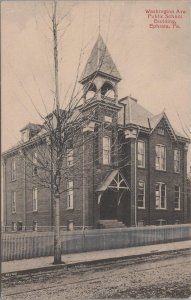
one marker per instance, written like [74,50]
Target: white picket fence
[36,244]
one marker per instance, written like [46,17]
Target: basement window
[14,226]
[35,225]
[161,222]
[70,225]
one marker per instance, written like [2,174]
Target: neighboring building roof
[100,61]
[32,126]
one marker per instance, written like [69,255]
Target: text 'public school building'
[131,171]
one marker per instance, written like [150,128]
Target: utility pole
[56,171]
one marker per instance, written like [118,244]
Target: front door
[108,205]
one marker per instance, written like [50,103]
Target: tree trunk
[57,240]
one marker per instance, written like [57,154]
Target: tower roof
[100,61]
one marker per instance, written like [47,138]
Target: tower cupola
[100,76]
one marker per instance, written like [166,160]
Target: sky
[154,63]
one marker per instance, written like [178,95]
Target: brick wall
[123,156]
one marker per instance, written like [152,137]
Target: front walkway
[87,257]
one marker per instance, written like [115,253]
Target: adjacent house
[131,169]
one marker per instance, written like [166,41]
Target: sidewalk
[45,263]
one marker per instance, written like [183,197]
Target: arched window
[91,91]
[107,90]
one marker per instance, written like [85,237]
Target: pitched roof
[32,126]
[100,61]
[154,120]
[138,115]
[135,113]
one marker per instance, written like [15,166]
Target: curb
[87,263]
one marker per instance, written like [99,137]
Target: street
[159,276]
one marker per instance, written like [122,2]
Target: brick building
[131,167]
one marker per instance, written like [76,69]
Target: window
[13,202]
[70,157]
[35,225]
[106,150]
[160,158]
[19,225]
[161,131]
[14,226]
[70,225]
[34,199]
[161,222]
[141,154]
[35,169]
[177,197]
[160,195]
[141,194]
[108,119]
[70,195]
[13,169]
[140,223]
[177,160]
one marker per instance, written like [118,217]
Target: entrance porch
[114,200]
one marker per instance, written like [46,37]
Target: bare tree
[46,154]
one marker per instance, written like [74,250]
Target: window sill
[13,180]
[161,208]
[160,170]
[176,172]
[69,208]
[141,207]
[35,211]
[141,167]
[14,212]
[177,209]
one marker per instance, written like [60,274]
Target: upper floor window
[106,150]
[70,192]
[13,201]
[70,157]
[160,195]
[35,168]
[141,154]
[13,169]
[35,199]
[141,194]
[177,160]
[160,158]
[160,130]
[177,197]
[108,119]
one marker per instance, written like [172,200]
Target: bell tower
[100,76]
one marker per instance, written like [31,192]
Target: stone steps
[110,224]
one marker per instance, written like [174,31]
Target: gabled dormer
[100,76]
[29,131]
[161,123]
